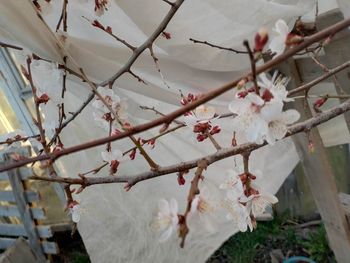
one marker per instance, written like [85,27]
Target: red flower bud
[261,39]
[267,95]
[97,24]
[318,103]
[180,179]
[201,137]
[132,154]
[43,99]
[109,30]
[114,166]
[215,130]
[167,35]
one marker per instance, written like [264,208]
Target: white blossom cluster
[241,204]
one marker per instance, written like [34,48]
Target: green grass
[255,246]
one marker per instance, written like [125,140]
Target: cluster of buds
[246,179]
[97,24]
[150,142]
[190,98]
[203,130]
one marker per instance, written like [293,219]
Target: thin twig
[216,46]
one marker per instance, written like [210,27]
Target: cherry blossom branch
[216,46]
[155,59]
[108,30]
[19,139]
[326,70]
[330,73]
[131,180]
[194,190]
[63,17]
[168,2]
[149,160]
[253,65]
[330,31]
[137,52]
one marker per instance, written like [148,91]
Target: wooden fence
[19,204]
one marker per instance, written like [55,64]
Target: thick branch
[219,155]
[205,98]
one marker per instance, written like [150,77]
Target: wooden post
[319,175]
[22,203]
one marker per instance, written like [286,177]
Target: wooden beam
[18,252]
[337,52]
[26,216]
[8,196]
[11,210]
[14,230]
[320,177]
[47,247]
[25,172]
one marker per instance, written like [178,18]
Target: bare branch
[137,52]
[219,155]
[205,98]
[216,46]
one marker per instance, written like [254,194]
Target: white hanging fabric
[115,225]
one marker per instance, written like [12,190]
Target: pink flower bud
[201,137]
[180,179]
[215,130]
[43,99]
[261,39]
[97,24]
[167,35]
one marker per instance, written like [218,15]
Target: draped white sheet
[115,224]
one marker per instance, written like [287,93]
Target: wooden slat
[14,230]
[11,210]
[19,252]
[24,171]
[31,196]
[320,177]
[48,247]
[345,202]
[22,203]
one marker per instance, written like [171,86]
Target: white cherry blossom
[47,79]
[248,119]
[277,86]
[166,221]
[112,156]
[75,212]
[113,100]
[204,206]
[277,121]
[239,214]
[233,185]
[278,43]
[256,204]
[201,114]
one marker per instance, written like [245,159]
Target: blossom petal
[163,206]
[281,27]
[166,234]
[290,116]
